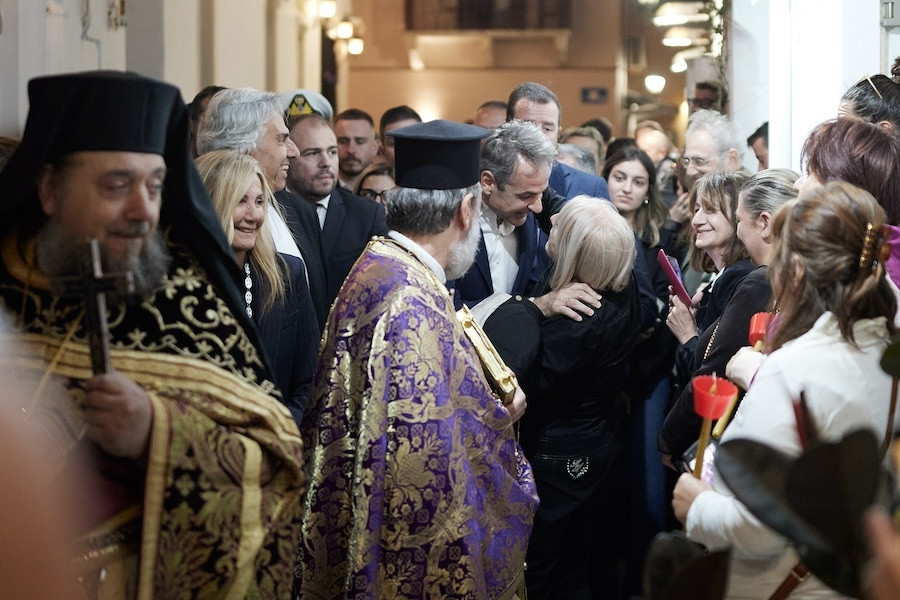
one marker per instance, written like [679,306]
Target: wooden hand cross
[93,285]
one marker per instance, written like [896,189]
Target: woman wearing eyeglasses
[375,181]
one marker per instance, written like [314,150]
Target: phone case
[673,277]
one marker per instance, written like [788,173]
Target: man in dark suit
[515,167]
[348,222]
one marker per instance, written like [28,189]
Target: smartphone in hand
[673,274]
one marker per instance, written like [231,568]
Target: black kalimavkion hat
[438,155]
[119,111]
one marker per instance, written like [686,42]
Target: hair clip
[874,248]
[872,83]
[868,246]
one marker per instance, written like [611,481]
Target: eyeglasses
[706,103]
[374,195]
[697,161]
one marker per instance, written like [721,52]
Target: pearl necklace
[248,283]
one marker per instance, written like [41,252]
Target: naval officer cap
[437,155]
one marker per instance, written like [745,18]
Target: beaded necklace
[248,284]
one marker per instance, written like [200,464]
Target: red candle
[712,395]
[759,324]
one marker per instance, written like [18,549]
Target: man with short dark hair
[418,487]
[196,110]
[490,114]
[708,95]
[358,146]
[347,221]
[176,413]
[394,118]
[759,143]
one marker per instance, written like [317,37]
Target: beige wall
[381,77]
[455,93]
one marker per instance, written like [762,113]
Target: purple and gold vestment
[417,486]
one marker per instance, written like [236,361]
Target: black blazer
[350,223]
[751,294]
[571,371]
[476,284]
[289,332]
[301,219]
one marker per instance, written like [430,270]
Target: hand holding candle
[759,325]
[711,398]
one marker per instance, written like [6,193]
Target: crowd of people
[289,355]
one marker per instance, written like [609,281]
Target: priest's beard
[60,256]
[462,254]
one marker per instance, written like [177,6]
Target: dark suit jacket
[289,332]
[350,223]
[303,222]
[476,284]
[571,182]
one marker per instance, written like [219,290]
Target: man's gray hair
[236,120]
[415,212]
[720,128]
[583,157]
[500,151]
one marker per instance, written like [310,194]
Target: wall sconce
[327,9]
[344,29]
[355,45]
[655,84]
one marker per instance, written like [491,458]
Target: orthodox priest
[195,474]
[418,488]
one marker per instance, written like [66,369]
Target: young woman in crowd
[375,181]
[277,294]
[836,312]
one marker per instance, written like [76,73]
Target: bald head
[655,143]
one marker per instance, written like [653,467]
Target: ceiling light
[327,9]
[677,42]
[680,13]
[655,84]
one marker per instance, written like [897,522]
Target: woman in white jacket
[835,321]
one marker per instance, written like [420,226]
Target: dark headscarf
[115,111]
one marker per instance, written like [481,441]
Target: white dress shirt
[502,246]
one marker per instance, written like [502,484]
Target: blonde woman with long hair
[276,290]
